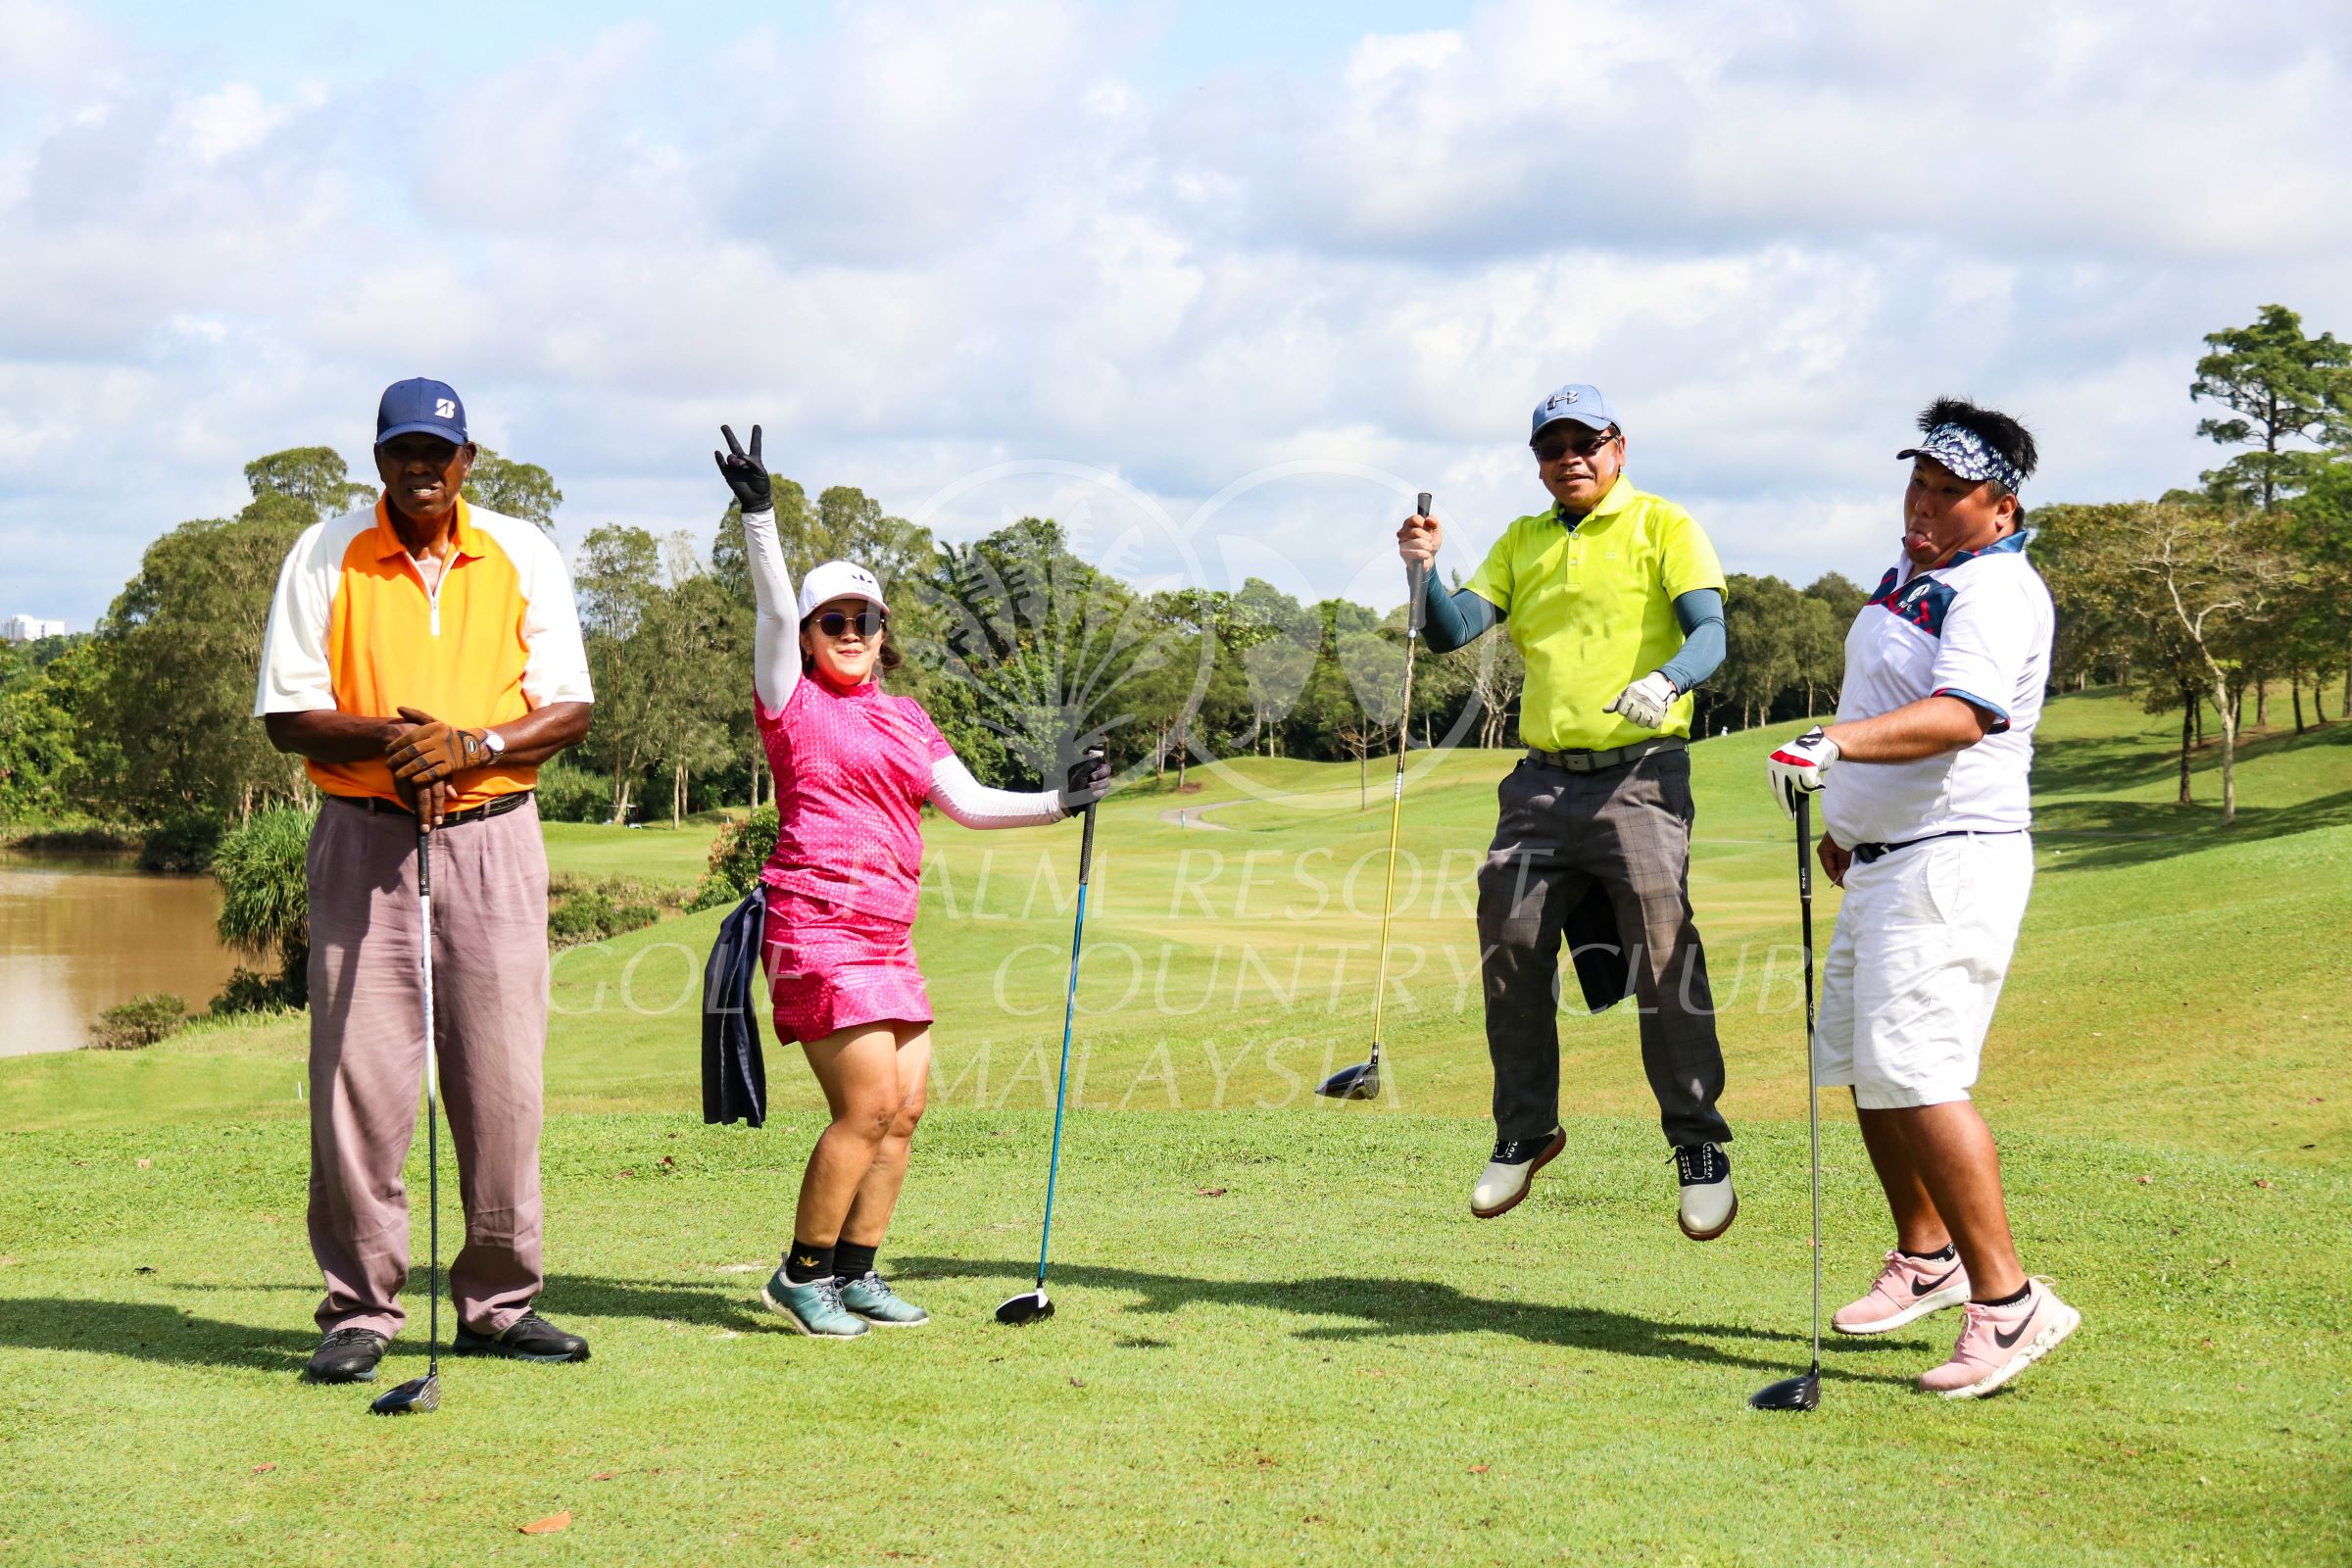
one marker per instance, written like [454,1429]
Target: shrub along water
[140,1022]
[267,906]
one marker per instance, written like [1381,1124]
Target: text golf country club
[1281,969]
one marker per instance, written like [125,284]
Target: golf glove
[435,750]
[1796,767]
[1087,782]
[745,472]
[1646,701]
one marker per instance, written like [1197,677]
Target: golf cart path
[1197,816]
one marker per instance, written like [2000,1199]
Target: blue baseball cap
[411,406]
[1576,400]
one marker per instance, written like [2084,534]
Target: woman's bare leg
[878,1195]
[858,1070]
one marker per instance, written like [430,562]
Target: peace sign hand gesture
[745,473]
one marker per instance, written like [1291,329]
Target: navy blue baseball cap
[1576,400]
[421,405]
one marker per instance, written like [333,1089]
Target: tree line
[1016,645]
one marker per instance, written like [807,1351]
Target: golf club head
[1030,1307]
[1799,1393]
[1359,1082]
[413,1398]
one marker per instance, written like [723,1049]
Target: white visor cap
[838,580]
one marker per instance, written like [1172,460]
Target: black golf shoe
[347,1356]
[529,1337]
[1504,1181]
[1708,1205]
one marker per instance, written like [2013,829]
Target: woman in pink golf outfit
[854,766]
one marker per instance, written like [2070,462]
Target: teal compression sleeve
[1454,618]
[1700,616]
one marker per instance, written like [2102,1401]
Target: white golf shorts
[1915,967]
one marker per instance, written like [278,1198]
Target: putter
[1035,1307]
[1362,1081]
[1803,1392]
[425,1393]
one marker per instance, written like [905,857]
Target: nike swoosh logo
[2005,1341]
[1917,1288]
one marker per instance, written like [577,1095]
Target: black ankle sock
[805,1263]
[2015,1296]
[853,1261]
[1942,1254]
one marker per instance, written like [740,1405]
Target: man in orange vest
[424,657]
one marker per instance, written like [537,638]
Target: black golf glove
[1088,781]
[745,472]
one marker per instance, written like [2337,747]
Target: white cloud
[933,238]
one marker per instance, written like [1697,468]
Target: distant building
[31,628]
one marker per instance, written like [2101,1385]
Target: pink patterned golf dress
[853,770]
[854,766]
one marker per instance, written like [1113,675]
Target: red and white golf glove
[1795,767]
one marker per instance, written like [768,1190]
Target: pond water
[79,933]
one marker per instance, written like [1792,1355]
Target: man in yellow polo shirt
[1614,598]
[424,657]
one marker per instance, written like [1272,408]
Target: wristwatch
[496,742]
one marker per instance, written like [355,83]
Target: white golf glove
[1644,703]
[1795,767]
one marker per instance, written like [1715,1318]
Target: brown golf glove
[434,751]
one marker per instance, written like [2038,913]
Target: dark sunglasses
[1553,446]
[868,622]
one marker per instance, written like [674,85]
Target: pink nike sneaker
[1997,1342]
[1906,1290]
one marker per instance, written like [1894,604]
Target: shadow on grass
[1384,1307]
[1389,1307]
[150,1331]
[2115,833]
[2107,764]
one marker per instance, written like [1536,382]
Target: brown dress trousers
[490,989]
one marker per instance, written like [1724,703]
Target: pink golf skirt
[832,967]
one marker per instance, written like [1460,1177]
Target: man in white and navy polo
[1926,811]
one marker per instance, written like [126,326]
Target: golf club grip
[1086,845]
[1416,581]
[424,861]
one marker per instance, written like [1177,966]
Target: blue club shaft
[1069,1008]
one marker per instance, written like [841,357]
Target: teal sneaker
[812,1308]
[872,1299]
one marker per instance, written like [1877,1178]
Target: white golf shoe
[1504,1181]
[1708,1205]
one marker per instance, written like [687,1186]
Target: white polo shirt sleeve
[555,659]
[294,675]
[1990,635]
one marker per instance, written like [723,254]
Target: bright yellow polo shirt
[352,628]
[1592,610]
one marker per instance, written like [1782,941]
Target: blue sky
[1218,284]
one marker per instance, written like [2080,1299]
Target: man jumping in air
[1614,597]
[1925,810]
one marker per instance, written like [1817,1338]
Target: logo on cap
[445,407]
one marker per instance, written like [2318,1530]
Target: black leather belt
[376,805]
[1600,761]
[1870,852]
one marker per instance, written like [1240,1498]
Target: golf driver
[1035,1307]
[1803,1393]
[1362,1081]
[425,1393]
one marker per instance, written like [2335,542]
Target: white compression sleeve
[775,636]
[963,799]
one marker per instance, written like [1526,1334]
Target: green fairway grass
[1281,1336]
